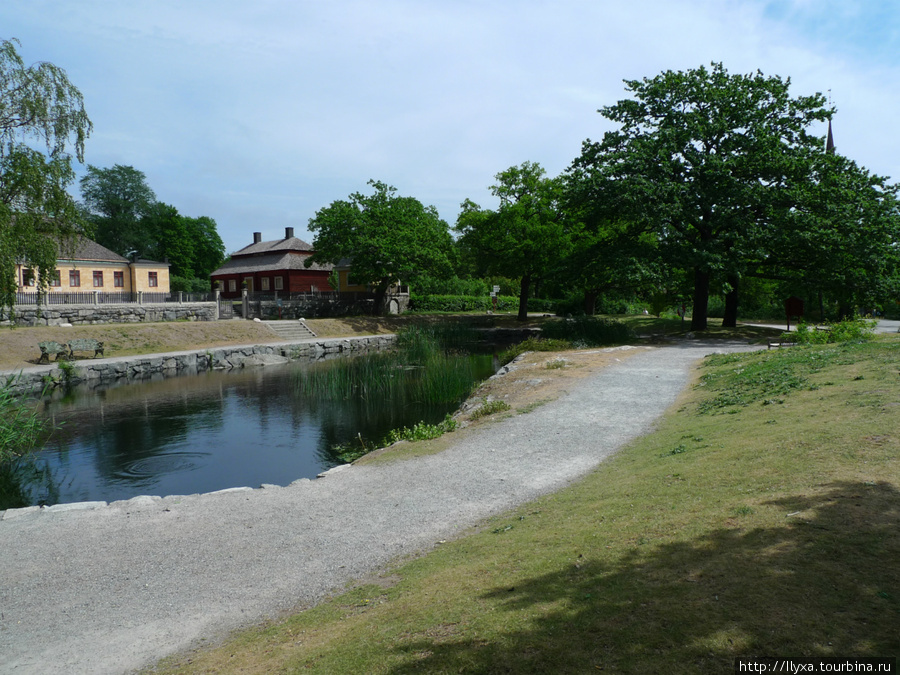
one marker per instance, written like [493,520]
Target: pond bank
[102,372]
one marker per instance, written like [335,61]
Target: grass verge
[768,531]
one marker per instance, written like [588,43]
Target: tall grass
[21,431]
[20,427]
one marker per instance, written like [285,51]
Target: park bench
[50,347]
[85,345]
[781,342]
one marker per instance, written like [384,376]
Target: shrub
[848,330]
[533,344]
[476,303]
[422,431]
[488,408]
[588,331]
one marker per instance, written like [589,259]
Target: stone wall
[54,315]
[321,305]
[103,372]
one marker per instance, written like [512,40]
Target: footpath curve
[115,588]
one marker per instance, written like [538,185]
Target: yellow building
[87,266]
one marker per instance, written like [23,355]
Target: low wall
[319,306]
[54,315]
[103,372]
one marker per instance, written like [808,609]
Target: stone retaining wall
[102,372]
[54,315]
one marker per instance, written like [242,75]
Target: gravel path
[115,587]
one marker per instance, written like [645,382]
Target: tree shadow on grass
[826,583]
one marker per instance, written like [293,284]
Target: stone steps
[291,330]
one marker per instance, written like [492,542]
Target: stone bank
[103,372]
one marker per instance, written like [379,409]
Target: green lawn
[759,518]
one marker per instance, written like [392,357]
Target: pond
[201,433]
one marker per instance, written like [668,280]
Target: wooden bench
[85,345]
[50,347]
[781,342]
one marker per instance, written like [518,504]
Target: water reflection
[195,434]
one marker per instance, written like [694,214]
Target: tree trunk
[701,299]
[380,292]
[523,298]
[590,301]
[731,303]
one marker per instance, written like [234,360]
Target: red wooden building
[269,266]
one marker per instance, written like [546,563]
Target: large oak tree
[710,162]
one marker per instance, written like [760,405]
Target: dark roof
[151,263]
[82,248]
[290,244]
[269,263]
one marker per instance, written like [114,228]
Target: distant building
[269,266]
[84,265]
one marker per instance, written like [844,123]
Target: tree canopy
[387,238]
[127,219]
[117,200]
[38,105]
[527,234]
[708,161]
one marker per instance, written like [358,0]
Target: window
[119,279]
[153,280]
[264,284]
[28,278]
[98,279]
[74,278]
[54,279]
[279,283]
[232,285]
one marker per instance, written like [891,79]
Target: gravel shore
[96,588]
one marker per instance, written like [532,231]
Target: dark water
[197,434]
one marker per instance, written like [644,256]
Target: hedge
[475,303]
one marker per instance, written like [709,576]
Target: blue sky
[259,114]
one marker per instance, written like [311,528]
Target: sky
[258,114]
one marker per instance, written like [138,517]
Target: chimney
[257,237]
[288,232]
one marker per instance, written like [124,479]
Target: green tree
[118,199]
[526,236]
[38,105]
[209,250]
[840,236]
[709,162]
[172,239]
[387,238]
